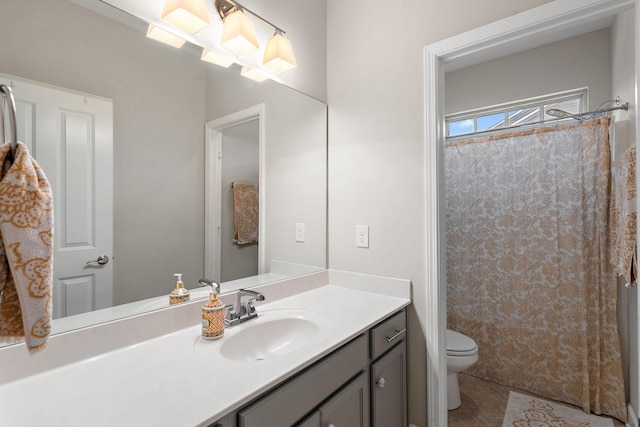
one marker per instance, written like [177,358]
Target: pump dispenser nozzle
[179,294]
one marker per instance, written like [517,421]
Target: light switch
[362,236]
[299,231]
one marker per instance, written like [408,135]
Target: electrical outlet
[362,236]
[299,231]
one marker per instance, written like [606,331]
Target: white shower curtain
[528,264]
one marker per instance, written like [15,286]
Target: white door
[71,137]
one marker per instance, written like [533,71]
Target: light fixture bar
[225,7]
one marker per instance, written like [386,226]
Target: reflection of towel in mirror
[26,250]
[623,213]
[245,213]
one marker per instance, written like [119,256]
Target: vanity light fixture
[163,36]
[278,55]
[253,74]
[188,15]
[214,58]
[238,34]
[239,37]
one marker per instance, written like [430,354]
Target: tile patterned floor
[483,403]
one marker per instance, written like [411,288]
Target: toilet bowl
[462,352]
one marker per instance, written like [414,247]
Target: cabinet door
[228,421]
[288,403]
[349,407]
[312,420]
[389,389]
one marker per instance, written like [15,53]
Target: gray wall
[296,162]
[375,93]
[583,61]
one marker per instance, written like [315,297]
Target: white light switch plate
[299,231]
[362,236]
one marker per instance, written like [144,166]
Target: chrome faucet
[244,309]
[208,282]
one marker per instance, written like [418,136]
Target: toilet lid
[459,344]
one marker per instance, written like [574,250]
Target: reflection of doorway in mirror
[71,136]
[234,151]
[239,162]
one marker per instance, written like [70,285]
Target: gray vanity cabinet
[228,421]
[361,384]
[389,389]
[389,373]
[303,394]
[312,420]
[347,408]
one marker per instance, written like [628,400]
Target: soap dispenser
[213,315]
[180,293]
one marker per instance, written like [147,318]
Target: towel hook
[13,129]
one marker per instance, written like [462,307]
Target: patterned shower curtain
[528,263]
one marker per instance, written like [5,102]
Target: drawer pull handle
[331,425]
[380,383]
[398,333]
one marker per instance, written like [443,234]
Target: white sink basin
[273,334]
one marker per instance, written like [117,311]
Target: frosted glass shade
[253,75]
[188,15]
[278,55]
[238,34]
[214,58]
[164,36]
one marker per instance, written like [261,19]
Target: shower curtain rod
[624,106]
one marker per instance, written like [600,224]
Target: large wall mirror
[80,77]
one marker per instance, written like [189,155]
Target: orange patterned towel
[623,214]
[26,250]
[245,215]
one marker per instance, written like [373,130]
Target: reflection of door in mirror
[70,136]
[239,163]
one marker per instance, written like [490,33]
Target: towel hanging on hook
[7,97]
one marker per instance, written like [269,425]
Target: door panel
[389,389]
[71,137]
[349,407]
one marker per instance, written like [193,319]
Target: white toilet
[462,352]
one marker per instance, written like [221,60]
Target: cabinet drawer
[291,401]
[388,333]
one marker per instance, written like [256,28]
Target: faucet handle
[250,307]
[231,310]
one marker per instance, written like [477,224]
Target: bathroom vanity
[326,349]
[363,383]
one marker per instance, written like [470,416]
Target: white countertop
[179,379]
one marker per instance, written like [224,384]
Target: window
[519,113]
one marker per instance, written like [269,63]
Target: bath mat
[527,411]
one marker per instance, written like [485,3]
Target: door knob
[381,382]
[101,260]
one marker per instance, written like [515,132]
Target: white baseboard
[633,418]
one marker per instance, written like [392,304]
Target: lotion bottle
[213,315]
[180,293]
